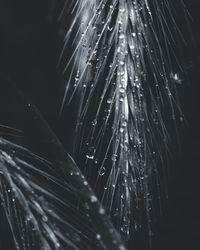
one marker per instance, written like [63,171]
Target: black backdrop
[29,48]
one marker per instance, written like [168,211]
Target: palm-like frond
[118,79]
[49,210]
[47,202]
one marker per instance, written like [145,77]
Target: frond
[47,201]
[47,209]
[118,82]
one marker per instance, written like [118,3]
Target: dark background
[29,49]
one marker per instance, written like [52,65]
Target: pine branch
[118,76]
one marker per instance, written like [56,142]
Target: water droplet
[44,218]
[121,130]
[121,247]
[109,100]
[110,28]
[76,79]
[114,157]
[102,171]
[90,154]
[90,157]
[121,36]
[94,122]
[102,210]
[93,198]
[124,123]
[121,63]
[98,236]
[122,10]
[57,244]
